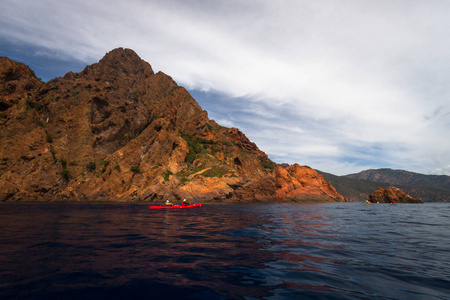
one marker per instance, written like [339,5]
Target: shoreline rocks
[392,195]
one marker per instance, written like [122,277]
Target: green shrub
[196,146]
[136,169]
[91,166]
[105,163]
[63,162]
[53,155]
[267,164]
[190,157]
[49,138]
[216,171]
[167,174]
[75,92]
[30,104]
[205,141]
[65,173]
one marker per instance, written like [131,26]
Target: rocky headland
[392,195]
[118,131]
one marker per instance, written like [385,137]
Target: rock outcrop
[302,181]
[392,195]
[118,131]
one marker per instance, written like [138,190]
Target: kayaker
[168,203]
[185,202]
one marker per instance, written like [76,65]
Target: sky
[341,86]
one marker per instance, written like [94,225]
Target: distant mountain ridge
[358,186]
[406,178]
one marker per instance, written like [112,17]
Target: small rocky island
[392,195]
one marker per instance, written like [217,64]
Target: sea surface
[270,251]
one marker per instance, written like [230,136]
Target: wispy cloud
[338,85]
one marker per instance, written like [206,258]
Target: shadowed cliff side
[117,131]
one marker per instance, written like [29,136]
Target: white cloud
[345,74]
[225,122]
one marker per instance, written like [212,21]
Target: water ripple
[276,251]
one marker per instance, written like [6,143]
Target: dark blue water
[276,251]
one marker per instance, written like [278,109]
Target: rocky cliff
[301,181]
[118,131]
[392,195]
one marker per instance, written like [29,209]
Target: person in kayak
[168,203]
[185,202]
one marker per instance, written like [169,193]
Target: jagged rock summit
[118,131]
[392,195]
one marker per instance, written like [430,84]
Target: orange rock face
[117,131]
[392,195]
[302,182]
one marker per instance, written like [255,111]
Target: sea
[236,251]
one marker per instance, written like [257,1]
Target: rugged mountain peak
[16,77]
[17,82]
[120,54]
[119,63]
[119,132]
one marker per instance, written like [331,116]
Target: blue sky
[341,86]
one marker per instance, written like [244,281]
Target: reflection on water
[274,251]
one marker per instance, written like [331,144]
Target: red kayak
[176,206]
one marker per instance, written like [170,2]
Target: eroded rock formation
[392,195]
[302,181]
